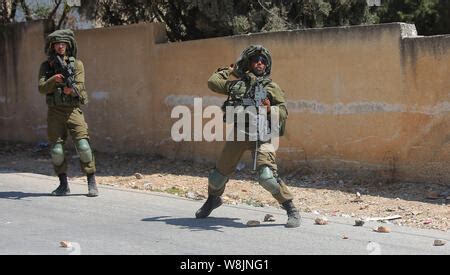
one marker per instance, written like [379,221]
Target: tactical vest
[239,93]
[58,98]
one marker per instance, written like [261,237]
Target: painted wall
[369,100]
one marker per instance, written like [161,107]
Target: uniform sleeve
[277,98]
[218,82]
[46,86]
[80,80]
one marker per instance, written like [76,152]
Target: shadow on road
[21,195]
[194,224]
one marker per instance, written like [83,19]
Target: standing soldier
[61,79]
[239,82]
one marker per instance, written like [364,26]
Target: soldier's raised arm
[218,82]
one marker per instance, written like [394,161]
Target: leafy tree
[196,19]
[430,16]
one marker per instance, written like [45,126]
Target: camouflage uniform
[220,82]
[64,114]
[236,83]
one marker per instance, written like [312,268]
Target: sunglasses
[259,58]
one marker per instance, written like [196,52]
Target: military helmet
[66,36]
[242,65]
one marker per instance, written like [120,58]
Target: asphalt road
[123,221]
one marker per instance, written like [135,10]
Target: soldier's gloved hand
[68,91]
[266,102]
[59,78]
[233,73]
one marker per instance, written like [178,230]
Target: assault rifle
[67,72]
[258,95]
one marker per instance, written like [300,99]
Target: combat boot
[92,186]
[63,188]
[292,213]
[211,203]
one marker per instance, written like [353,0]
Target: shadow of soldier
[13,195]
[194,224]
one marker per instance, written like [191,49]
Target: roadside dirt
[419,205]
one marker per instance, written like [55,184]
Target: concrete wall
[369,100]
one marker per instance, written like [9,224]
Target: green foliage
[195,19]
[42,12]
[430,16]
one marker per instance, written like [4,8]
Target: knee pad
[84,150]
[268,181]
[57,154]
[216,180]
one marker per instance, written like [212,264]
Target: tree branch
[26,10]
[4,11]
[13,11]
[53,12]
[63,17]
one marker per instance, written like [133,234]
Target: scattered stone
[199,195]
[358,198]
[148,186]
[194,195]
[269,218]
[253,223]
[439,242]
[65,244]
[321,221]
[383,229]
[191,195]
[359,222]
[364,207]
[138,176]
[433,195]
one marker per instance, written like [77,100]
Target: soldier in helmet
[65,93]
[238,82]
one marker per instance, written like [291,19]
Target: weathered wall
[372,100]
[22,109]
